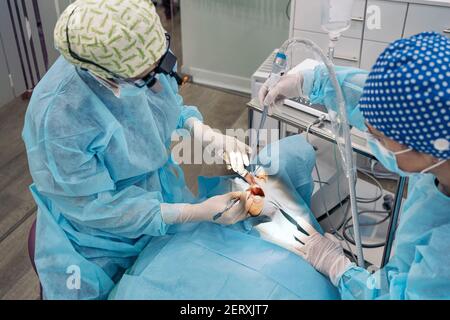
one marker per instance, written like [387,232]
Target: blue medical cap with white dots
[407,93]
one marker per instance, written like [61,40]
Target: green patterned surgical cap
[124,36]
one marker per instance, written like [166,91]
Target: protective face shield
[166,65]
[389,160]
[129,90]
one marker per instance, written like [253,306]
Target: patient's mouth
[256,190]
[256,207]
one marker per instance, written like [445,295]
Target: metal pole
[40,29]
[19,51]
[351,175]
[394,220]
[30,40]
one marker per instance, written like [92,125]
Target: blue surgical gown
[419,267]
[101,166]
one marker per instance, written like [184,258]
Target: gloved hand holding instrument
[279,67]
[234,152]
[322,252]
[289,86]
[224,209]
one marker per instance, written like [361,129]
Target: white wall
[224,41]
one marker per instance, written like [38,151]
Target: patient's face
[257,195]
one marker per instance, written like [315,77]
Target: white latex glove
[208,210]
[289,86]
[234,152]
[322,252]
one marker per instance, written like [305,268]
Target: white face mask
[389,160]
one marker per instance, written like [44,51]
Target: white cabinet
[365,40]
[370,52]
[391,20]
[427,18]
[346,51]
[308,17]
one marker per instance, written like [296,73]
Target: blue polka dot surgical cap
[407,93]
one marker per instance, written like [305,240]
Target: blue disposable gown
[419,267]
[101,168]
[208,261]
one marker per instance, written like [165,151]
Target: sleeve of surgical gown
[187,111]
[428,277]
[318,88]
[83,186]
[80,186]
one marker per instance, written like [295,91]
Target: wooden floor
[17,208]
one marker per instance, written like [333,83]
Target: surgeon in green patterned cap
[114,38]
[98,134]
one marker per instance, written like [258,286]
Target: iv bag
[336,16]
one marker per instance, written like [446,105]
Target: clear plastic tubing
[348,152]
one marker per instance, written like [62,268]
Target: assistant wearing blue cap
[407,94]
[403,104]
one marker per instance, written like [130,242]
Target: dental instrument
[230,205]
[279,67]
[293,221]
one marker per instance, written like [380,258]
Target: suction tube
[339,123]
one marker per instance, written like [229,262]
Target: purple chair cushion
[32,243]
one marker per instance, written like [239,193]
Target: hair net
[407,93]
[125,37]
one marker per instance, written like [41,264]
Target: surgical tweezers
[289,218]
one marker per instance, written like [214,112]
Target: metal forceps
[292,220]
